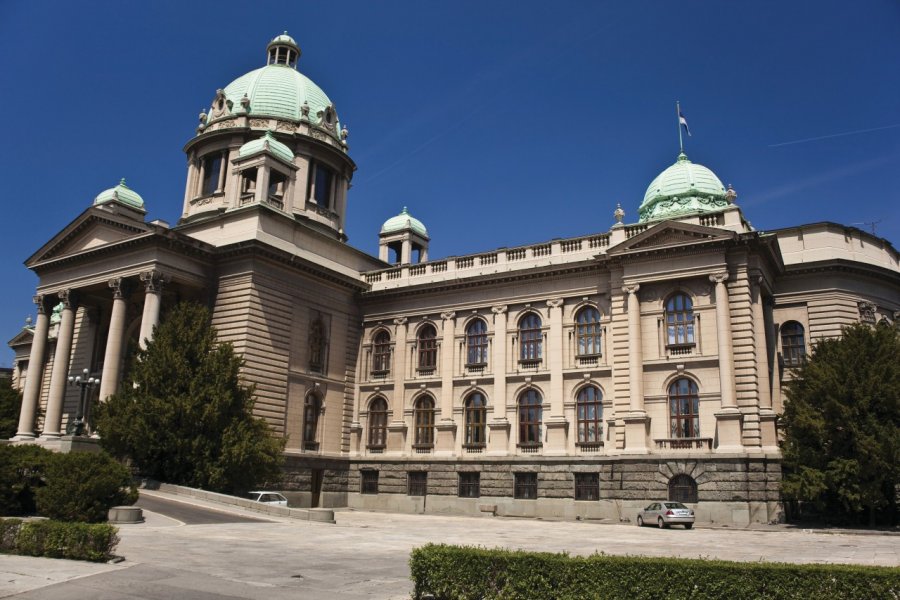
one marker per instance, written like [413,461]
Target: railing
[395,274]
[474,449]
[416,270]
[633,230]
[680,350]
[543,250]
[529,448]
[475,369]
[570,245]
[375,449]
[712,220]
[439,267]
[488,259]
[589,447]
[465,263]
[515,254]
[684,444]
[423,448]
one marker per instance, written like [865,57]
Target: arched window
[476,343]
[312,406]
[424,415]
[427,343]
[679,320]
[476,417]
[587,331]
[590,415]
[793,344]
[317,343]
[530,418]
[381,352]
[683,488]
[684,409]
[378,423]
[530,338]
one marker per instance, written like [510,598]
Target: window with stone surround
[684,409]
[381,352]
[530,338]
[476,343]
[679,320]
[525,486]
[368,481]
[793,344]
[417,483]
[530,418]
[587,486]
[322,184]
[587,332]
[683,488]
[476,419]
[424,418]
[589,409]
[469,485]
[377,423]
[427,347]
[211,171]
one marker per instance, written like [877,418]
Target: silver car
[664,514]
[271,498]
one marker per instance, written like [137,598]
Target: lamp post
[86,383]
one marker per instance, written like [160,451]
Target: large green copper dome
[684,188]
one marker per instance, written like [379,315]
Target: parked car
[664,514]
[273,498]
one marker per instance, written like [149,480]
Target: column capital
[720,277]
[68,298]
[153,280]
[631,288]
[448,315]
[499,309]
[119,286]
[400,321]
[555,302]
[40,301]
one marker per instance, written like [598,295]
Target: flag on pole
[683,122]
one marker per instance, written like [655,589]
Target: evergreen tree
[842,426]
[10,405]
[183,415]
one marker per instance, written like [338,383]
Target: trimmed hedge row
[54,539]
[455,572]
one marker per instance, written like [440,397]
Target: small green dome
[402,222]
[684,188]
[121,194]
[284,39]
[267,143]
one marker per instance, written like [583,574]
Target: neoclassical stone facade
[580,377]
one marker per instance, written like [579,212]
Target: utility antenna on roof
[870,225]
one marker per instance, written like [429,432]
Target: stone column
[112,359]
[53,418]
[767,416]
[35,371]
[446,428]
[728,418]
[153,283]
[405,252]
[556,423]
[396,441]
[498,443]
[636,420]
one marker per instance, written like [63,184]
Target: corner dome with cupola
[684,188]
[271,140]
[403,239]
[120,194]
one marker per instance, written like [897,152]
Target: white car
[272,498]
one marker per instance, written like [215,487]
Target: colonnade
[115,342]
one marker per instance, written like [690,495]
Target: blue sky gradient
[497,123]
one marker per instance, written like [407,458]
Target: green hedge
[453,572]
[53,539]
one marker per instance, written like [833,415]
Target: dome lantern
[283,50]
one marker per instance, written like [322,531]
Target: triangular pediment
[94,228]
[669,234]
[23,338]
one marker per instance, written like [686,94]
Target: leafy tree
[10,404]
[842,426]
[21,474]
[183,414]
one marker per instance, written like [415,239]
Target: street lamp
[86,383]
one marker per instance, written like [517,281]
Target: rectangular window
[368,482]
[525,486]
[587,486]
[322,186]
[469,485]
[212,167]
[417,483]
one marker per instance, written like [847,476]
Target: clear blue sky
[538,115]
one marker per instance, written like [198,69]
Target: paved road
[191,514]
[365,555]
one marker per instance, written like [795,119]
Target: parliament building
[576,378]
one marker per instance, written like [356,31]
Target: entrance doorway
[315,483]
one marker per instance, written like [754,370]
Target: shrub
[52,539]
[21,474]
[450,572]
[83,486]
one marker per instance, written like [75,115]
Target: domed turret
[121,194]
[403,235]
[266,143]
[404,221]
[682,189]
